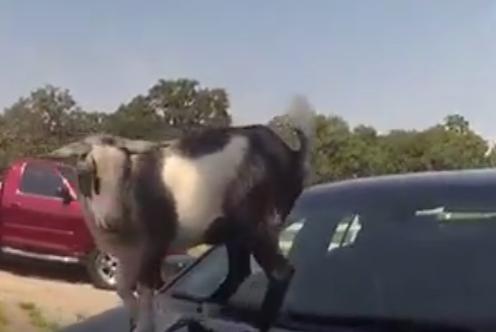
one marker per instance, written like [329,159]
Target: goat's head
[103,166]
[100,157]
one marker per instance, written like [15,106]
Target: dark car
[394,253]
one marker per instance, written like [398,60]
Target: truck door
[36,217]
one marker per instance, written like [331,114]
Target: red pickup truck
[40,218]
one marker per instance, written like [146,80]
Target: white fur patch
[198,186]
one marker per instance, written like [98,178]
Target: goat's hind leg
[238,270]
[277,268]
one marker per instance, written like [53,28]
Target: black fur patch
[220,231]
[283,168]
[156,204]
[272,169]
[155,213]
[203,143]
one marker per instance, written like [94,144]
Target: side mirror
[64,193]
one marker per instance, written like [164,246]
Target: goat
[232,186]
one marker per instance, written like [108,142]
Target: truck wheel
[102,269]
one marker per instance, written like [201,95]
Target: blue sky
[391,64]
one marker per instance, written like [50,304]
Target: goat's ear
[76,149]
[136,146]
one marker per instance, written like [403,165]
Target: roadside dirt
[36,296]
[33,295]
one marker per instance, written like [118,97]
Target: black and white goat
[232,186]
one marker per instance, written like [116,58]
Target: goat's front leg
[127,275]
[149,280]
[145,321]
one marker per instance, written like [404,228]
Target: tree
[456,123]
[342,153]
[86,123]
[170,109]
[454,147]
[49,117]
[366,133]
[41,121]
[403,151]
[491,155]
[331,139]
[137,120]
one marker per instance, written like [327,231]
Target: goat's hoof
[132,325]
[144,326]
[143,329]
[217,298]
[220,296]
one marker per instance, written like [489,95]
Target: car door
[38,218]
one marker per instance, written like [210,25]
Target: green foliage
[49,117]
[40,122]
[342,152]
[170,109]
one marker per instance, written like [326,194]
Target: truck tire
[102,269]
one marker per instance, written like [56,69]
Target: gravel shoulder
[39,297]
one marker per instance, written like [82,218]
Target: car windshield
[422,253]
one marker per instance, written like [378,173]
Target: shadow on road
[73,273]
[44,270]
[113,320]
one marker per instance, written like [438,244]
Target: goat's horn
[80,147]
[69,150]
[133,145]
[138,146]
[167,142]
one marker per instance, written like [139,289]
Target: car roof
[408,185]
[40,160]
[480,175]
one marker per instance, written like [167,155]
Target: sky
[390,64]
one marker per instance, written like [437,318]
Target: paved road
[113,320]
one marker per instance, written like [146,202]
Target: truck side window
[41,180]
[70,175]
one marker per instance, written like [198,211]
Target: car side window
[41,180]
[70,175]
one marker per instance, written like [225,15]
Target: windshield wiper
[383,323]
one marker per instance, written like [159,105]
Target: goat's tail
[302,117]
